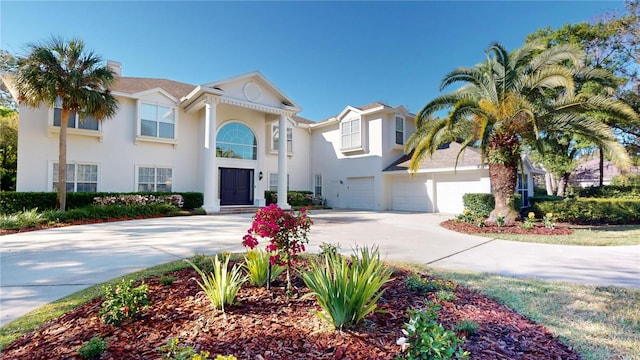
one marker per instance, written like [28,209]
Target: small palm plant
[221,285]
[256,263]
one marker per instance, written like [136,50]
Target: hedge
[591,211]
[481,204]
[294,198]
[12,202]
[610,191]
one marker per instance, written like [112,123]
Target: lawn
[605,235]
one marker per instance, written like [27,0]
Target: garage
[360,193]
[451,187]
[410,194]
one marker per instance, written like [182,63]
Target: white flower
[403,343]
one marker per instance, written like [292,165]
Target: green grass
[599,322]
[612,235]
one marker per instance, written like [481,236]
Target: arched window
[236,141]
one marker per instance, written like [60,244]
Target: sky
[324,55]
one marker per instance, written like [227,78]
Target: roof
[444,157]
[300,119]
[590,171]
[366,107]
[133,85]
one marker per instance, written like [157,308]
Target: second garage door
[410,194]
[361,194]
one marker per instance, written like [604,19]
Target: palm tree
[65,71]
[503,103]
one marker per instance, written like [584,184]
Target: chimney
[115,66]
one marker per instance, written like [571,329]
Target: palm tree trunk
[61,198]
[562,184]
[503,178]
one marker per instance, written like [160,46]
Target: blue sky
[323,55]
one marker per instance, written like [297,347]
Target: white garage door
[451,187]
[410,194]
[361,193]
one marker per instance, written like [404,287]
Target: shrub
[256,263]
[172,350]
[610,191]
[592,211]
[21,219]
[479,204]
[123,302]
[295,198]
[427,339]
[92,349]
[347,292]
[445,295]
[139,199]
[222,285]
[467,326]
[415,282]
[467,216]
[167,280]
[288,233]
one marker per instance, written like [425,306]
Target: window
[236,141]
[273,182]
[76,121]
[399,130]
[80,177]
[523,189]
[317,185]
[157,121]
[154,179]
[351,135]
[275,138]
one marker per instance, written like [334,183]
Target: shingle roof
[300,119]
[132,85]
[442,158]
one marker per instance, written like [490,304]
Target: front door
[236,186]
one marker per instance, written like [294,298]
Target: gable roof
[589,171]
[443,158]
[365,108]
[134,85]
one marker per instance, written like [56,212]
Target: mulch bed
[269,325]
[491,228]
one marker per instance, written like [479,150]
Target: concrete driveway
[42,266]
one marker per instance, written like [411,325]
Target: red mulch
[268,325]
[490,228]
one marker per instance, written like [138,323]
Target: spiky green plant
[256,263]
[347,292]
[221,285]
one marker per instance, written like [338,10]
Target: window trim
[396,131]
[254,148]
[51,179]
[351,148]
[520,189]
[273,148]
[136,185]
[156,139]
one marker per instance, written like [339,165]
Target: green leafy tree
[8,148]
[501,104]
[8,63]
[66,71]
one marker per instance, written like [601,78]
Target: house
[588,173]
[223,139]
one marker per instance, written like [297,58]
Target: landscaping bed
[269,325]
[490,228]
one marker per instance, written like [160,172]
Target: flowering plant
[287,232]
[547,220]
[529,221]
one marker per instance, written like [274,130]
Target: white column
[211,196]
[282,163]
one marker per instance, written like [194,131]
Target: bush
[295,198]
[415,282]
[347,292]
[92,349]
[467,326]
[12,202]
[610,191]
[222,285]
[172,350]
[592,211]
[109,212]
[479,204]
[21,219]
[123,302]
[256,263]
[428,339]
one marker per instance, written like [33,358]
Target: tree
[63,70]
[8,148]
[502,104]
[8,63]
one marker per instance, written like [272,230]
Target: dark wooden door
[236,186]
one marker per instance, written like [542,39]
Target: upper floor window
[76,121]
[80,177]
[351,135]
[157,121]
[236,141]
[152,179]
[275,138]
[399,130]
